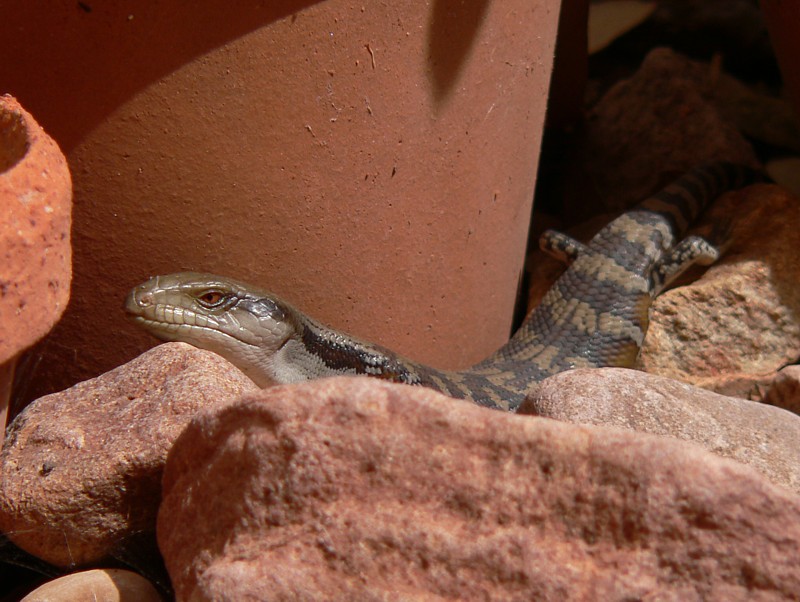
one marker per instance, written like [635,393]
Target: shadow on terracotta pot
[133,45]
[450,41]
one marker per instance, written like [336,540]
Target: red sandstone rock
[354,489]
[763,436]
[633,144]
[98,585]
[81,469]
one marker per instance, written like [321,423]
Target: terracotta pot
[783,23]
[372,163]
[35,254]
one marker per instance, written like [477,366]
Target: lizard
[596,314]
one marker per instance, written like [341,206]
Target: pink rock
[81,469]
[640,114]
[763,436]
[741,318]
[106,585]
[354,489]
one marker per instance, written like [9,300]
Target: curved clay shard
[35,217]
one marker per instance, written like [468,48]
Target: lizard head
[244,325]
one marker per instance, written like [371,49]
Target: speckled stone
[355,489]
[763,436]
[80,470]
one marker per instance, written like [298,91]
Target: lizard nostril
[145,299]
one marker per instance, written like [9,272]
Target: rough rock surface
[81,469]
[763,436]
[641,113]
[740,322]
[784,391]
[349,489]
[35,212]
[98,585]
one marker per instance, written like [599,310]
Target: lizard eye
[212,298]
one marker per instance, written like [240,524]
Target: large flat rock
[348,489]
